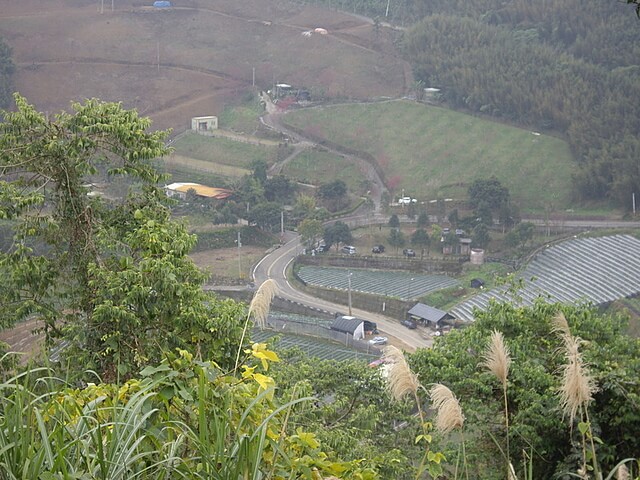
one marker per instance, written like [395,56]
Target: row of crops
[594,270]
[404,285]
[311,346]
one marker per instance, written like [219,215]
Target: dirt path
[273,120]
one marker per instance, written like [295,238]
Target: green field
[316,167]
[432,152]
[223,151]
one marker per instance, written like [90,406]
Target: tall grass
[497,359]
[45,433]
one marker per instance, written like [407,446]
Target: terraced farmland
[313,347]
[402,285]
[595,270]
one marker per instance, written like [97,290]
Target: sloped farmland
[587,270]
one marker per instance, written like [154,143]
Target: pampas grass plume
[261,302]
[623,473]
[400,379]
[560,325]
[578,387]
[449,413]
[497,358]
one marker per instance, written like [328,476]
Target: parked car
[410,324]
[349,249]
[409,252]
[378,341]
[378,249]
[323,248]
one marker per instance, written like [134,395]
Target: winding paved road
[274,266]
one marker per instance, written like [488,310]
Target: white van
[349,249]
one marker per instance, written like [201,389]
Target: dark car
[410,324]
[378,249]
[323,248]
[409,252]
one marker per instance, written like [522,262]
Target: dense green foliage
[337,233]
[353,415]
[181,418]
[6,71]
[508,65]
[105,275]
[535,416]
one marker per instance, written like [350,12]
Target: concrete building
[204,125]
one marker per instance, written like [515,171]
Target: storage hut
[429,316]
[349,325]
[204,125]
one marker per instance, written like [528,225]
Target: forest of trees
[566,67]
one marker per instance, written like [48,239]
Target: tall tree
[337,234]
[266,215]
[396,239]
[333,194]
[279,189]
[420,238]
[310,230]
[107,275]
[488,191]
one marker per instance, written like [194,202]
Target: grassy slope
[217,150]
[316,168]
[428,149]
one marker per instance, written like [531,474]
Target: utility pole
[633,200]
[281,226]
[349,280]
[239,256]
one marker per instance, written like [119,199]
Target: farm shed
[180,190]
[204,125]
[464,246]
[428,315]
[349,325]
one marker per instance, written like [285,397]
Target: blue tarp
[161,4]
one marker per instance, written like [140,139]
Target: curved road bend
[274,266]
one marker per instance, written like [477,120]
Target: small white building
[204,125]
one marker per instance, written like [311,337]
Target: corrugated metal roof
[346,324]
[201,190]
[428,313]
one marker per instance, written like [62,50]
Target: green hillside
[431,152]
